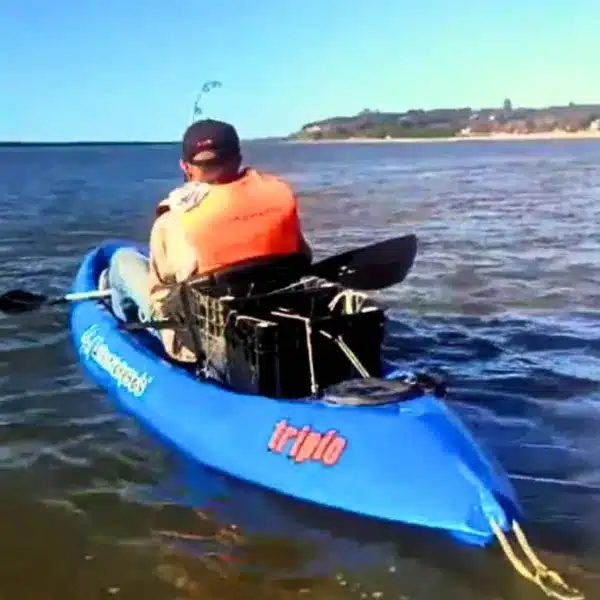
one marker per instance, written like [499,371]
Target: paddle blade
[373,267]
[20,301]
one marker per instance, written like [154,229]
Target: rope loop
[549,581]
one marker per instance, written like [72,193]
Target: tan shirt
[173,260]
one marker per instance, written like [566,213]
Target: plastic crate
[283,344]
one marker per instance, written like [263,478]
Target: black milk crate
[261,344]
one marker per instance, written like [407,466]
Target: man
[223,215]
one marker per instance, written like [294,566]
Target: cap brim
[207,157]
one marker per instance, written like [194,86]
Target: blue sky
[131,69]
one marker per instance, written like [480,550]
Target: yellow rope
[348,352]
[541,576]
[352,357]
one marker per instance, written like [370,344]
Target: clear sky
[131,69]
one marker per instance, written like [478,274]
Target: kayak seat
[256,276]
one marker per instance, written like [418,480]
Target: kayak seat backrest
[256,276]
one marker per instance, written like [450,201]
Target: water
[503,298]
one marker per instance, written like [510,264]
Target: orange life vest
[255,216]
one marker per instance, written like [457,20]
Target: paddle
[372,267]
[20,301]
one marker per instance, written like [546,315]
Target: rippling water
[503,299]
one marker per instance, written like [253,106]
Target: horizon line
[9,144]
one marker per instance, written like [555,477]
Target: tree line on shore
[449,122]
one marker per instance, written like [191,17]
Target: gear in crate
[290,343]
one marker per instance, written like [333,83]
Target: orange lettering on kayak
[307,445]
[274,441]
[299,441]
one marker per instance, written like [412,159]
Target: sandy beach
[493,137]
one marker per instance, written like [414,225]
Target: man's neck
[231,177]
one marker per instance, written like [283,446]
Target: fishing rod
[206,88]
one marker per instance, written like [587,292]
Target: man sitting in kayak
[223,215]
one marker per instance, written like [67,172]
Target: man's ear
[185,168]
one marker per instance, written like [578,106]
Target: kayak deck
[409,461]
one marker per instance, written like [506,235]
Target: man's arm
[305,248]
[304,245]
[157,254]
[172,258]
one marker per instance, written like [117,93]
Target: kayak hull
[411,462]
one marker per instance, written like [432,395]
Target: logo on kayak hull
[306,444]
[93,346]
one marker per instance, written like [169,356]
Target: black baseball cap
[210,141]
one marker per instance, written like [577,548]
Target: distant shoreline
[492,137]
[113,143]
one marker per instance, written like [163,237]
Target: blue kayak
[411,461]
